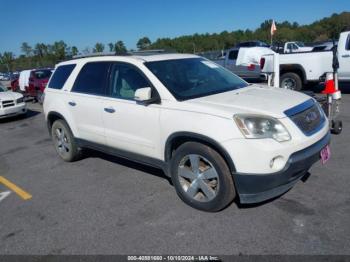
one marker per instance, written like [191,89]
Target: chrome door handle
[71,103]
[346,56]
[109,110]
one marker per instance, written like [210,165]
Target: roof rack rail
[151,52]
[98,54]
[129,53]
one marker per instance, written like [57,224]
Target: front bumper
[17,109]
[254,188]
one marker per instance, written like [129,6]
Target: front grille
[310,120]
[8,103]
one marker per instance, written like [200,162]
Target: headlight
[258,127]
[20,100]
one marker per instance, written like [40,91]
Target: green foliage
[143,43]
[7,59]
[26,49]
[41,55]
[74,50]
[119,47]
[321,30]
[47,55]
[111,47]
[99,47]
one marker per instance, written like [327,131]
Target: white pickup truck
[296,47]
[299,69]
[249,72]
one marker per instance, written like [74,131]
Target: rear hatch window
[60,76]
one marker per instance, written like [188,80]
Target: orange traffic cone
[330,85]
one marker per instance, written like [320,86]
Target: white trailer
[23,80]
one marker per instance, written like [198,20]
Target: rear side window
[60,76]
[92,78]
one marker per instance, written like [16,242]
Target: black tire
[223,185]
[69,151]
[295,81]
[337,127]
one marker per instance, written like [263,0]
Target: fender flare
[57,116]
[194,137]
[290,68]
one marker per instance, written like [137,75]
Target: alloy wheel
[62,142]
[289,83]
[198,178]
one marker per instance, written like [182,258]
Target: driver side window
[125,80]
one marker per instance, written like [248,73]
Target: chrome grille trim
[8,103]
[299,108]
[308,117]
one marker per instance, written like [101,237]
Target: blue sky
[84,22]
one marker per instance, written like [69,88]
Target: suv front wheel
[201,177]
[64,141]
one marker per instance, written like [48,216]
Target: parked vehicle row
[8,76]
[300,64]
[251,73]
[32,83]
[248,72]
[215,135]
[299,69]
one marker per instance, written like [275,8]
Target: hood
[9,96]
[254,99]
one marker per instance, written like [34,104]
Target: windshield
[42,74]
[301,44]
[194,77]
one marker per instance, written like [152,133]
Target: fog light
[277,163]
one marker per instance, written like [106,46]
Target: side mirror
[143,94]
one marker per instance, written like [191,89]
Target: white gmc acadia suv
[215,135]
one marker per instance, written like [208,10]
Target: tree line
[47,55]
[322,30]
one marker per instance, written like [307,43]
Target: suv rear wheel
[201,177]
[64,141]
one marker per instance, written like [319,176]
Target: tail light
[262,63]
[251,67]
